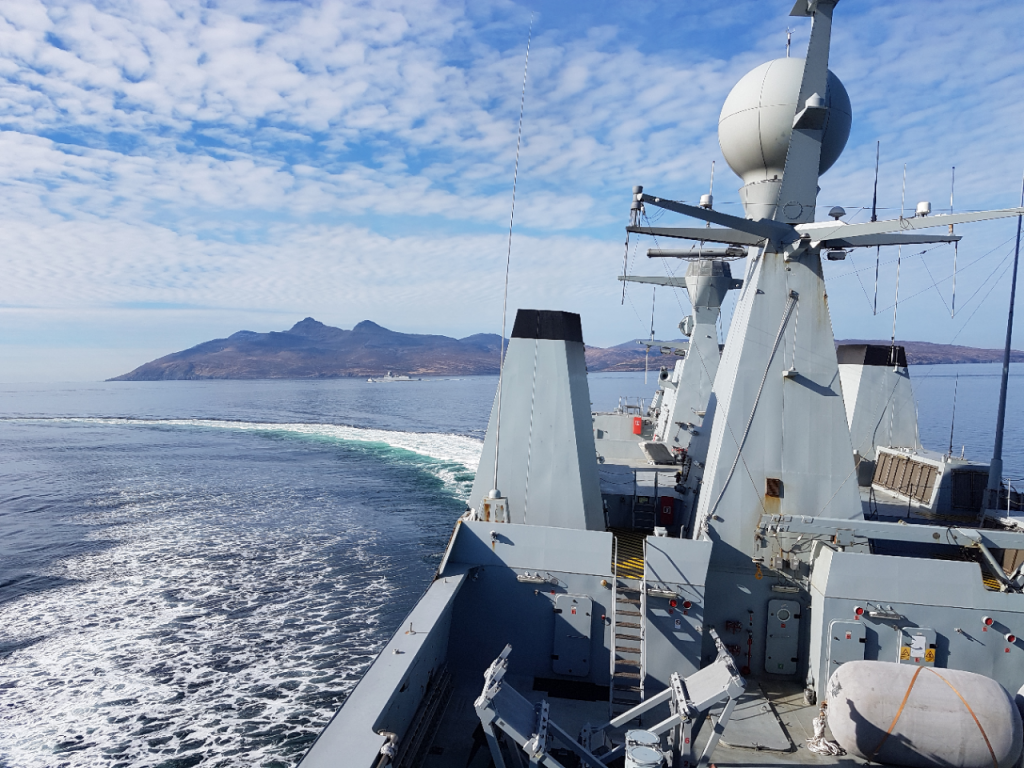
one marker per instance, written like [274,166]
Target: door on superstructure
[782,640]
[570,654]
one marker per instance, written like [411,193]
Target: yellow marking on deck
[630,564]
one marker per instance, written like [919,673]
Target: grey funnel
[547,465]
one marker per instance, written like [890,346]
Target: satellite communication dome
[757,120]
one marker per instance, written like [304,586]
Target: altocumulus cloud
[253,163]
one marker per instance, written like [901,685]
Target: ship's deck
[769,727]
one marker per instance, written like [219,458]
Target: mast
[995,470]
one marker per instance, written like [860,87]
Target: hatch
[570,654]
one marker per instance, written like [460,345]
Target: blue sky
[172,172]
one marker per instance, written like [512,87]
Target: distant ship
[764,568]
[391,377]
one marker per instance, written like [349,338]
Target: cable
[508,256]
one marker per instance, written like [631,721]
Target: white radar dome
[757,120]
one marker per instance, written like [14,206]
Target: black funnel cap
[547,324]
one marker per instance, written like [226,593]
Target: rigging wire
[924,263]
[874,217]
[982,302]
[962,269]
[508,257]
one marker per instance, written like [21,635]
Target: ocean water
[197,573]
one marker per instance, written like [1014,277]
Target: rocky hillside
[926,353]
[312,350]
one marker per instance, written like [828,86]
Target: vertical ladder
[628,646]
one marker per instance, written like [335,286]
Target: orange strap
[977,722]
[899,712]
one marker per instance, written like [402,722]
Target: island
[312,350]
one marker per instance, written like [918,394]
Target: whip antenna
[995,468]
[647,357]
[874,217]
[952,419]
[956,249]
[899,258]
[508,259]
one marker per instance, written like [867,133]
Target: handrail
[643,623]
[611,645]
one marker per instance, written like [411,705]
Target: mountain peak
[368,326]
[307,327]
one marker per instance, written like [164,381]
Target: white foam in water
[190,636]
[199,633]
[449,449]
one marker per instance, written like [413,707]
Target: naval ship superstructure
[764,568]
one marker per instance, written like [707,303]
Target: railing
[643,623]
[611,645]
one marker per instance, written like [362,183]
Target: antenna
[995,470]
[956,248]
[952,419]
[874,196]
[874,217]
[508,259]
[899,258]
[708,202]
[789,39]
[647,357]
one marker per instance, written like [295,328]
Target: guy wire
[508,255]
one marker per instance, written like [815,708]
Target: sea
[198,572]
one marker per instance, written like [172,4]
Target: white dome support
[798,192]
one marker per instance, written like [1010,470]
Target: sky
[173,172]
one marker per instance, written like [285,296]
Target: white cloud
[300,158]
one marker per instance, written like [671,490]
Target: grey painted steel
[880,407]
[847,641]
[825,230]
[897,593]
[900,715]
[501,707]
[688,390]
[810,154]
[676,570]
[763,229]
[499,605]
[570,652]
[792,425]
[874,241]
[697,252]
[546,457]
[708,235]
[782,641]
[387,697]
[846,531]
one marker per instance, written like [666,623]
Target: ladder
[629,610]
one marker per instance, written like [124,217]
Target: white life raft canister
[923,717]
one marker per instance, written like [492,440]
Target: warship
[390,377]
[762,567]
